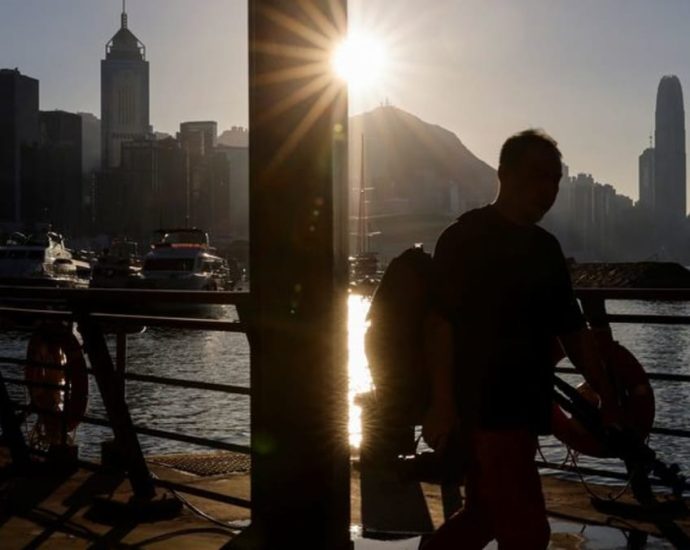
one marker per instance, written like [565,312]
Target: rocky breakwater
[629,275]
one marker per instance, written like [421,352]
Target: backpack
[394,341]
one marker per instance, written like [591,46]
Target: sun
[360,60]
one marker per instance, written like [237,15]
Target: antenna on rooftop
[124,14]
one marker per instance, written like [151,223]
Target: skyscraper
[58,198]
[646,179]
[199,136]
[19,136]
[669,157]
[124,93]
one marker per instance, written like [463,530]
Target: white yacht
[39,261]
[183,260]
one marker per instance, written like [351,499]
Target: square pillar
[298,263]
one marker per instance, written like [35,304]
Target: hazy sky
[584,70]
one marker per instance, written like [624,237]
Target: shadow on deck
[45,509]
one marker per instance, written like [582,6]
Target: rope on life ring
[55,358]
[636,395]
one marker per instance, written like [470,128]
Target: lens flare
[360,60]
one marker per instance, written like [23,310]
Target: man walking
[503,297]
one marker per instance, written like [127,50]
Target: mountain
[405,156]
[419,177]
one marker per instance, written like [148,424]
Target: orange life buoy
[637,399]
[58,408]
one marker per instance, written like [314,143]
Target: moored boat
[182,259]
[39,261]
[118,266]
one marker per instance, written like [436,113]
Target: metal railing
[94,312]
[594,304]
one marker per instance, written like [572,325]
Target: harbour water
[224,358]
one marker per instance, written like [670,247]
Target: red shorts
[504,500]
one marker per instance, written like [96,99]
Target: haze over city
[585,71]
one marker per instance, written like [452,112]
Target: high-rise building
[232,212]
[124,93]
[646,179]
[153,187]
[669,154]
[19,137]
[91,143]
[199,137]
[90,165]
[58,198]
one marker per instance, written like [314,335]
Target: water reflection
[358,367]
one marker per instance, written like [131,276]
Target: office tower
[19,136]
[669,155]
[646,179]
[124,93]
[58,199]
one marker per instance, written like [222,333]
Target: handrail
[117,310]
[647,294]
[174,436]
[190,384]
[99,296]
[136,377]
[638,318]
[129,320]
[171,322]
[661,376]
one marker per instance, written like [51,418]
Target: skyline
[587,73]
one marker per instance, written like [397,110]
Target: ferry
[182,259]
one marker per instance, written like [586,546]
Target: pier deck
[55,511]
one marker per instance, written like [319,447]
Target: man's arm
[442,414]
[448,279]
[581,348]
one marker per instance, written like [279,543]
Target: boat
[118,266]
[182,259]
[41,260]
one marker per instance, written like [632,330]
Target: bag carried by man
[394,342]
[395,348]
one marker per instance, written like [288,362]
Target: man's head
[529,171]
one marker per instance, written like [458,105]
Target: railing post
[121,356]
[594,308]
[298,227]
[116,407]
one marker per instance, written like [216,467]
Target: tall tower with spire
[124,92]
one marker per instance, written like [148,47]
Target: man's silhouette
[503,298]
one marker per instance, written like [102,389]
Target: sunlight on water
[358,367]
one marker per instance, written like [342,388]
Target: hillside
[404,154]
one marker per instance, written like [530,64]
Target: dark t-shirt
[507,292]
